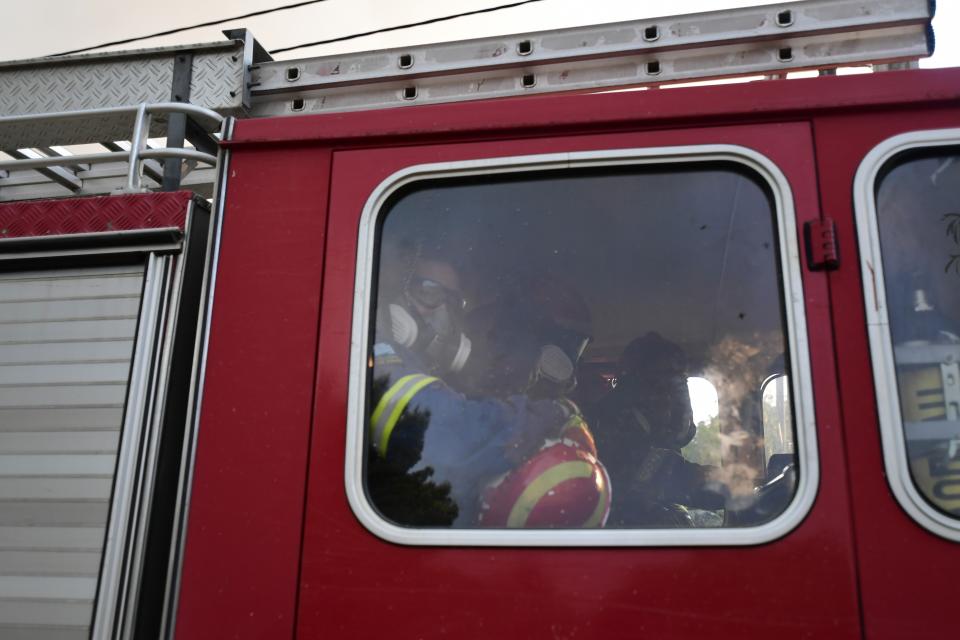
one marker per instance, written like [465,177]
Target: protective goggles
[431,294]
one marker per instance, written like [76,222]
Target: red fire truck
[465,340]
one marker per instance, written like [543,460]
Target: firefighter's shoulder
[385,354]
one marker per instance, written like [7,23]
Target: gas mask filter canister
[446,346]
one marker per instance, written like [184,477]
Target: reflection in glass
[537,338]
[918,213]
[777,418]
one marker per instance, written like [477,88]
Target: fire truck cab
[671,361]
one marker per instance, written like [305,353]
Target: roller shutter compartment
[66,344]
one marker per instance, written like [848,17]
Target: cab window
[579,349]
[917,197]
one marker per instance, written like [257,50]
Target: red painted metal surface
[687,106]
[907,575]
[258,497]
[31,218]
[243,542]
[482,592]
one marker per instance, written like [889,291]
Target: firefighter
[433,449]
[532,335]
[640,427]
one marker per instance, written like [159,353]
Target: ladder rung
[891,44]
[835,20]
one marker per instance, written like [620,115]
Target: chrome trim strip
[153,432]
[117,546]
[796,336]
[878,327]
[195,402]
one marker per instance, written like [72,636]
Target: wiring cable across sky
[286,7]
[404,26]
[169,32]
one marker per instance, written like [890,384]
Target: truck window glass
[541,342]
[705,404]
[918,215]
[777,417]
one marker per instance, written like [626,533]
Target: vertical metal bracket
[177,122]
[823,252]
[253,54]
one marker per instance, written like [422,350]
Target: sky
[43,27]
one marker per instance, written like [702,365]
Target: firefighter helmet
[561,486]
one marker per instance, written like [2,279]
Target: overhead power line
[404,26]
[286,7]
[212,23]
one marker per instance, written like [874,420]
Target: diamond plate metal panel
[217,81]
[95,82]
[76,86]
[90,215]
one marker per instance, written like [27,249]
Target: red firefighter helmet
[561,486]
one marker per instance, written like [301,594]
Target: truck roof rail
[237,78]
[766,40]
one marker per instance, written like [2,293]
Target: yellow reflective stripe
[596,518]
[398,411]
[387,397]
[378,421]
[545,482]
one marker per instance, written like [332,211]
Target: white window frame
[796,336]
[878,327]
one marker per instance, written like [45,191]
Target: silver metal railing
[58,167]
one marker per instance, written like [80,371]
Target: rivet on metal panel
[785,18]
[293,74]
[651,34]
[528,81]
[653,68]
[409,93]
[405,61]
[785,54]
[297,104]
[524,48]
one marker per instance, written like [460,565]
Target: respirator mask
[554,370]
[428,322]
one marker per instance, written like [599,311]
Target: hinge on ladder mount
[823,252]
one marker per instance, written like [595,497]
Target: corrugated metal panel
[53,513]
[44,633]
[60,419]
[66,341]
